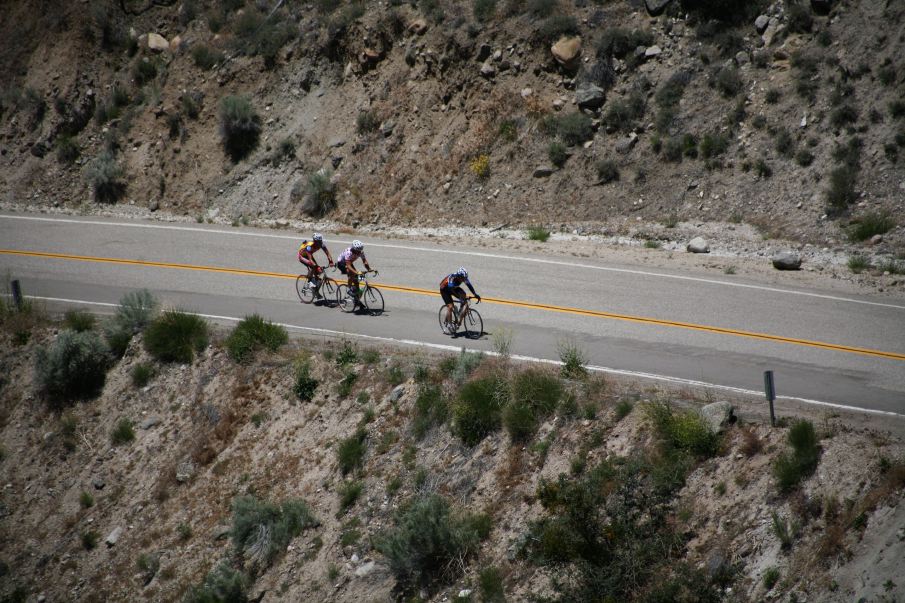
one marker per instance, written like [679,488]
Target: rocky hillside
[787,115]
[185,463]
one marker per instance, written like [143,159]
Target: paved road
[840,349]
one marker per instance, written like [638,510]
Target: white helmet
[462,272]
[317,237]
[357,245]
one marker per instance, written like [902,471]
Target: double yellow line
[492,300]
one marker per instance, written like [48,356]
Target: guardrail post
[17,294]
[770,391]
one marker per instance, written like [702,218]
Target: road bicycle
[320,285]
[464,316]
[368,297]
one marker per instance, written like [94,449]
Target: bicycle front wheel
[328,289]
[373,300]
[344,299]
[305,293]
[474,326]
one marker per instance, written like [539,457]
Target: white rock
[113,537]
[698,245]
[157,42]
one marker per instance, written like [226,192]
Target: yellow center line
[492,300]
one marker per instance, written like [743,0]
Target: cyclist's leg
[447,299]
[460,294]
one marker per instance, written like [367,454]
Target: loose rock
[157,42]
[543,172]
[698,245]
[589,96]
[656,7]
[113,537]
[567,50]
[786,260]
[718,415]
[760,24]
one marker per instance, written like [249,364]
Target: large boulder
[786,260]
[760,24]
[567,50]
[656,7]
[157,42]
[698,245]
[718,415]
[590,96]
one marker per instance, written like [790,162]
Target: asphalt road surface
[721,331]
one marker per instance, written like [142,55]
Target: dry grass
[751,443]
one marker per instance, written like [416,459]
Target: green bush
[573,360]
[804,158]
[348,494]
[141,374]
[123,433]
[240,127]
[623,409]
[478,409]
[843,115]
[458,368]
[317,193]
[484,10]
[784,143]
[621,42]
[607,171]
[144,69]
[807,67]
[887,73]
[223,584]
[858,263]
[431,409]
[763,168]
[367,122]
[897,108]
[557,153]
[89,539]
[773,95]
[571,128]
[305,385]
[623,114]
[74,367]
[556,26]
[350,452]
[86,501]
[105,176]
[538,233]
[260,36]
[206,57]
[429,542]
[670,93]
[799,17]
[841,192]
[67,149]
[607,535]
[534,396]
[869,225]
[682,430]
[728,81]
[254,333]
[790,468]
[176,336]
[78,321]
[490,585]
[133,314]
[713,145]
[540,8]
[261,529]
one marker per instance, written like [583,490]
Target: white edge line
[468,253]
[532,359]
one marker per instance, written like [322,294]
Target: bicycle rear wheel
[305,293]
[474,326]
[344,299]
[442,318]
[373,300]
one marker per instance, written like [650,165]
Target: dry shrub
[751,442]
